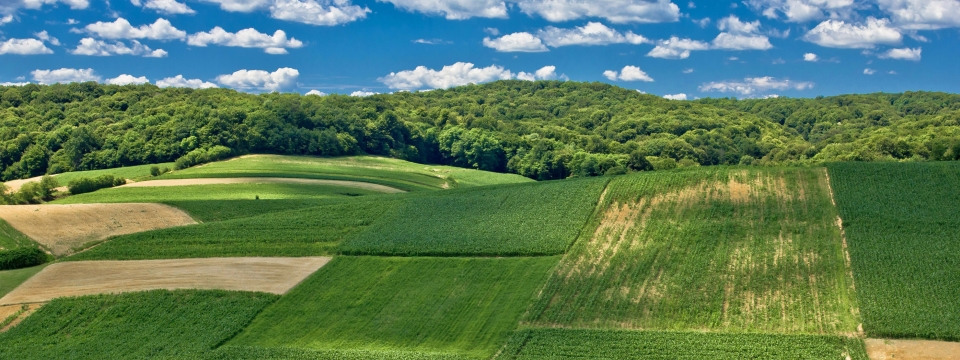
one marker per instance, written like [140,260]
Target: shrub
[22,257]
[155,171]
[200,156]
[85,185]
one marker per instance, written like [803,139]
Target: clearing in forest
[266,180]
[64,228]
[724,249]
[272,275]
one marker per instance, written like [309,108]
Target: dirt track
[880,349]
[266,180]
[273,275]
[61,228]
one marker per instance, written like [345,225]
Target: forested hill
[543,129]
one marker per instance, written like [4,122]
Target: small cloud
[431,41]
[680,96]
[891,72]
[72,22]
[492,31]
[127,79]
[902,54]
[733,58]
[316,92]
[691,5]
[516,42]
[687,71]
[702,22]
[811,57]
[869,71]
[360,93]
[628,73]
[779,61]
[180,81]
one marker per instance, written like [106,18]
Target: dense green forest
[543,129]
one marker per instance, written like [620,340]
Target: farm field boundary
[265,180]
[64,228]
[272,275]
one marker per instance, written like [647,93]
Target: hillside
[541,130]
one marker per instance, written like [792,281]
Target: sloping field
[11,279]
[266,180]
[721,249]
[64,228]
[465,306]
[129,172]
[181,324]
[272,275]
[904,233]
[884,349]
[169,195]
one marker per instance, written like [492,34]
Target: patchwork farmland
[292,257]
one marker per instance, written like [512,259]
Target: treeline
[543,129]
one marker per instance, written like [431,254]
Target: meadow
[261,353]
[215,192]
[10,238]
[904,235]
[720,249]
[465,306]
[10,279]
[136,172]
[151,324]
[514,220]
[621,344]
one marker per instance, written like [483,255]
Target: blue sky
[681,49]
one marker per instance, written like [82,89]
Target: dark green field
[903,229]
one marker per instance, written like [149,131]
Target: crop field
[161,323]
[722,249]
[305,232]
[904,235]
[10,238]
[215,192]
[10,279]
[261,353]
[541,219]
[220,210]
[385,171]
[129,172]
[466,306]
[621,344]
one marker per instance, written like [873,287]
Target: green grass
[466,306]
[10,238]
[528,219]
[166,194]
[305,232]
[619,344]
[221,210]
[10,279]
[724,249]
[397,173]
[138,172]
[152,324]
[262,353]
[903,229]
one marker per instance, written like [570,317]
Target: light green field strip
[254,180]
[263,191]
[129,172]
[11,279]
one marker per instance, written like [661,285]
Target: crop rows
[164,194]
[153,324]
[534,219]
[903,229]
[721,249]
[262,353]
[466,306]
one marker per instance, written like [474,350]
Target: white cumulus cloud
[677,48]
[593,33]
[323,13]
[616,11]
[922,14]
[840,34]
[680,96]
[455,9]
[260,80]
[804,10]
[94,47]
[121,29]
[750,86]
[180,81]
[361,93]
[902,54]
[316,92]
[460,73]
[11,6]
[739,35]
[811,57]
[6,19]
[246,38]
[516,42]
[24,47]
[44,36]
[241,5]
[64,75]
[628,73]
[169,7]
[127,79]
[869,71]
[545,73]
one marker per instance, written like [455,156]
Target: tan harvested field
[882,349]
[14,185]
[272,275]
[63,228]
[7,311]
[266,180]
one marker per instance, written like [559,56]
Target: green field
[903,231]
[385,171]
[138,172]
[167,194]
[535,219]
[317,230]
[261,353]
[10,238]
[620,344]
[10,279]
[220,210]
[724,249]
[152,324]
[454,305]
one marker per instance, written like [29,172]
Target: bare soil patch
[882,349]
[272,275]
[7,311]
[63,228]
[266,180]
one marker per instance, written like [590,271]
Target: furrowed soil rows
[266,180]
[719,249]
[64,228]
[273,275]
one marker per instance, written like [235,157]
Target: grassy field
[221,210]
[620,344]
[152,324]
[724,249]
[400,174]
[215,192]
[903,231]
[138,172]
[534,219]
[305,232]
[10,238]
[466,306]
[10,279]
[262,353]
